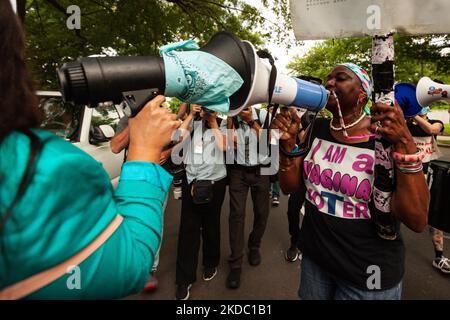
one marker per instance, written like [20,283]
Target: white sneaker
[177,193]
[442,264]
[275,202]
[182,292]
[209,273]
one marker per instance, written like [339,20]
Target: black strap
[273,73]
[125,154]
[36,146]
[272,80]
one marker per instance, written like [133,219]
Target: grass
[444,142]
[447,129]
[440,106]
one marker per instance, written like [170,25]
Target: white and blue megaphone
[412,99]
[429,91]
[135,79]
[288,91]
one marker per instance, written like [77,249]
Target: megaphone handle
[136,100]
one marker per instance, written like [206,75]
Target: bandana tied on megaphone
[199,77]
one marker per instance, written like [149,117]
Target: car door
[89,129]
[95,141]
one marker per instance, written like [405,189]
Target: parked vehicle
[90,129]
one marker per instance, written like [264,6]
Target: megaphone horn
[429,91]
[287,91]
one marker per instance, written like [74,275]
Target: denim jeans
[275,189]
[317,284]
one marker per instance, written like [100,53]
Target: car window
[104,114]
[63,119]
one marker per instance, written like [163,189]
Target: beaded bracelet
[409,158]
[408,165]
[408,170]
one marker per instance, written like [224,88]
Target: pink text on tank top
[339,179]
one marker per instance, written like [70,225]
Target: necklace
[345,127]
[363,115]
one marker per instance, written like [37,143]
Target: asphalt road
[277,279]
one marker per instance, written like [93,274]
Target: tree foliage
[414,57]
[137,27]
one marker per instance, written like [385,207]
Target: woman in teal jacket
[55,199]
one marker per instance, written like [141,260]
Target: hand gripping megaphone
[429,91]
[135,79]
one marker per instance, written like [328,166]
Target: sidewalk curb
[443,145]
[441,138]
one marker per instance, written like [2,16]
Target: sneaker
[152,283]
[234,279]
[183,291]
[209,273]
[254,257]
[291,254]
[442,264]
[275,202]
[177,193]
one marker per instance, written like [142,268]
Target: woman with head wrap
[344,254]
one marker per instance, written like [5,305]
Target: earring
[362,97]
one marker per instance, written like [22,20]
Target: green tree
[137,27]
[415,57]
[174,104]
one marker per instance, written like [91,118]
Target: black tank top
[338,232]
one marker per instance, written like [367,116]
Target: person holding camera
[64,232]
[345,254]
[246,174]
[203,192]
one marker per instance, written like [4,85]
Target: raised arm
[411,196]
[120,140]
[219,137]
[290,172]
[431,129]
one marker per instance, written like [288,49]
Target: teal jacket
[67,204]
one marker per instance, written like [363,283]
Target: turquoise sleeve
[120,267]
[68,203]
[139,199]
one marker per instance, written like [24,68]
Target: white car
[90,129]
